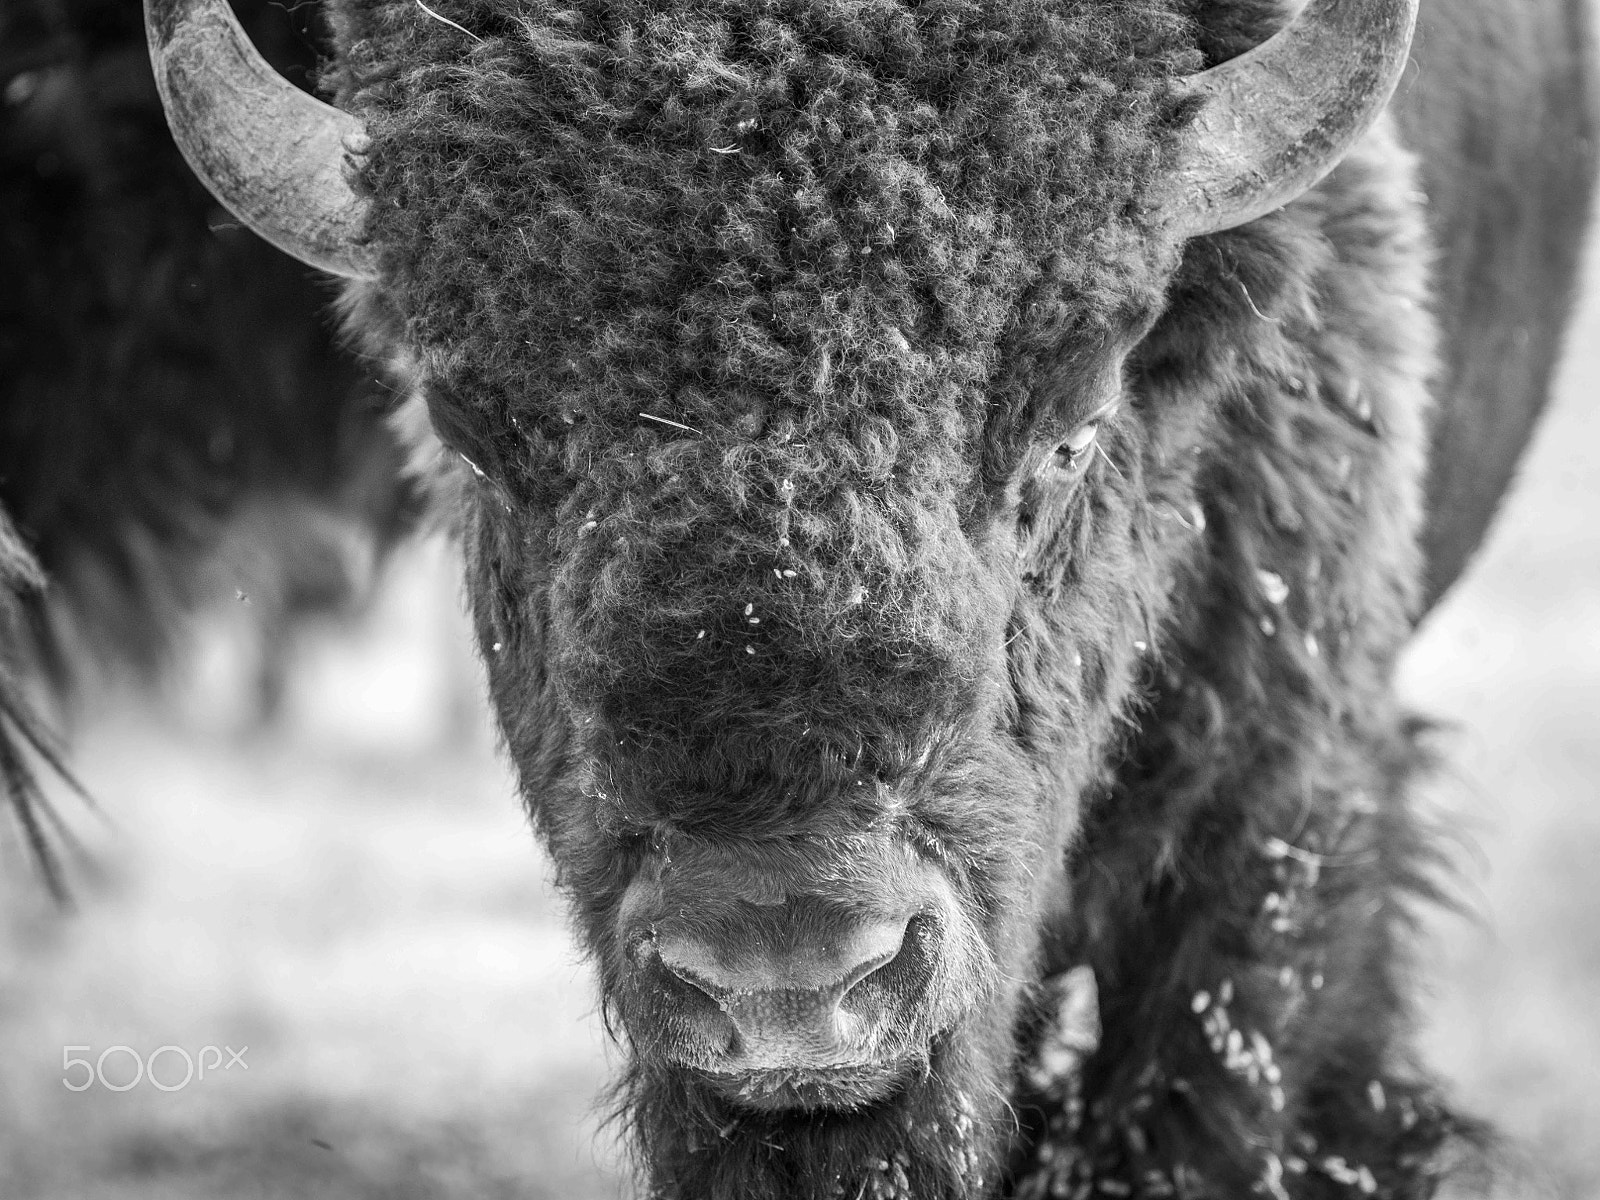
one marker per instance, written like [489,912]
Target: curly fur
[804,246]
[755,328]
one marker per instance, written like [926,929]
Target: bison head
[796,362]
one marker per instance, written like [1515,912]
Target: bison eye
[1073,453]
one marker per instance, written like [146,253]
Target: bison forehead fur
[768,336]
[757,326]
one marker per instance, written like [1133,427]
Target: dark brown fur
[752,333]
[756,352]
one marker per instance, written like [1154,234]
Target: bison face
[822,482]
[796,542]
[806,707]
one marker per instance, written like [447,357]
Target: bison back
[1501,106]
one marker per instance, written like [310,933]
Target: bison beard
[940,1138]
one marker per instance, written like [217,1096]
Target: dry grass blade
[46,835]
[447,21]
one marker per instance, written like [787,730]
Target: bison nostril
[868,968]
[684,974]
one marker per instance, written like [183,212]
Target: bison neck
[1241,888]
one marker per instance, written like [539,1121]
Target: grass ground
[354,899]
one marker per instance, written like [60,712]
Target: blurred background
[344,901]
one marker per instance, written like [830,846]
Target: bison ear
[1274,121]
[274,156]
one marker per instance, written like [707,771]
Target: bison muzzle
[825,992]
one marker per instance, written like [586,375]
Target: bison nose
[803,1005]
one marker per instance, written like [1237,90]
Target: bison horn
[1274,121]
[272,155]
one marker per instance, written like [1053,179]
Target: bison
[943,488]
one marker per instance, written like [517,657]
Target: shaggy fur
[811,275]
[161,370]
[1242,887]
[758,330]
[830,264]
[757,333]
